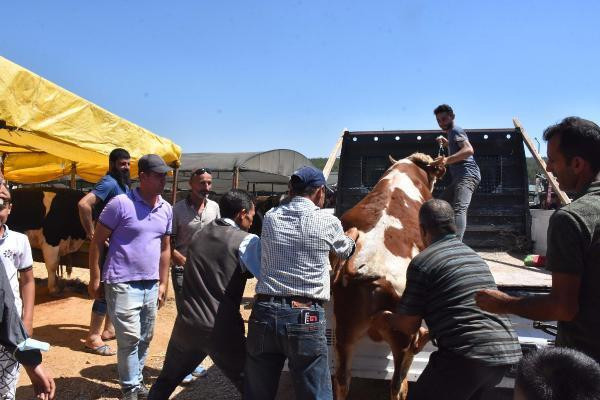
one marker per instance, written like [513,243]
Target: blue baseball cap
[308,176]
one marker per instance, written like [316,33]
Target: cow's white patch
[48,197]
[374,258]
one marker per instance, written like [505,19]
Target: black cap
[154,163]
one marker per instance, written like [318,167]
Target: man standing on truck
[573,253]
[463,168]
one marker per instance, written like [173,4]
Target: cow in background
[368,286]
[50,219]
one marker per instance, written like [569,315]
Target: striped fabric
[441,285]
[296,240]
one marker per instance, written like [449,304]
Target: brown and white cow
[368,287]
[50,219]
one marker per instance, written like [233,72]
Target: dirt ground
[63,322]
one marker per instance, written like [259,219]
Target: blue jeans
[274,334]
[459,194]
[132,307]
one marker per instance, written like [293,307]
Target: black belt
[287,299]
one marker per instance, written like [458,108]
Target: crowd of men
[139,237]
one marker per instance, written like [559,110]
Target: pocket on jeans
[256,336]
[307,339]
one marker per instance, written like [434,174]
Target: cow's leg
[51,259]
[345,344]
[401,349]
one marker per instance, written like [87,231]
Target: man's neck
[149,198]
[2,230]
[197,201]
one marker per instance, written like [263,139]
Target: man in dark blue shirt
[463,168]
[115,182]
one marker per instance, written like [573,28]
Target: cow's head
[425,162]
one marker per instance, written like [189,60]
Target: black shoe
[130,394]
[142,391]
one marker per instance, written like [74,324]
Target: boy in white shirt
[15,253]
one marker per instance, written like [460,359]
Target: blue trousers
[274,335]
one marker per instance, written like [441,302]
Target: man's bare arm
[562,304]
[101,234]
[85,207]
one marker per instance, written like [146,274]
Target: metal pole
[73,175]
[174,187]
[236,178]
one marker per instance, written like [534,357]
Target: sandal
[103,350]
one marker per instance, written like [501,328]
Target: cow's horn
[392,159]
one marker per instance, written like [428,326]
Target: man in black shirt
[573,253]
[476,348]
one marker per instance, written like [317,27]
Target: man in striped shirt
[475,348]
[288,319]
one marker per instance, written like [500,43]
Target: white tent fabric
[267,171]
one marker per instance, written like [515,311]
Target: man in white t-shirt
[15,253]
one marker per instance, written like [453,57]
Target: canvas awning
[258,171]
[45,130]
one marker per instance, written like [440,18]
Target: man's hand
[95,289]
[422,339]
[493,301]
[352,233]
[442,140]
[162,294]
[440,160]
[43,384]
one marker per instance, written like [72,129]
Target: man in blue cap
[288,319]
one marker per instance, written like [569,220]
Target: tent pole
[174,189]
[236,178]
[73,174]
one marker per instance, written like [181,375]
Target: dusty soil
[63,322]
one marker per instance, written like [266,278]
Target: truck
[498,228]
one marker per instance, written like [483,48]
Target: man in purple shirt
[136,269]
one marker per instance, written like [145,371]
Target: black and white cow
[50,219]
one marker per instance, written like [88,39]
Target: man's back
[213,280]
[441,283]
[296,239]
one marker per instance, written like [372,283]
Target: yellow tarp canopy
[44,129]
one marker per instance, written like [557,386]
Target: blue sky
[257,75]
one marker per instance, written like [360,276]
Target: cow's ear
[392,160]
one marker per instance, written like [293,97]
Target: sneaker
[200,371]
[188,379]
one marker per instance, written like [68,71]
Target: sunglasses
[201,171]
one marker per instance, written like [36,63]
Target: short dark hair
[235,201]
[436,216]
[578,137]
[298,188]
[443,108]
[118,154]
[556,373]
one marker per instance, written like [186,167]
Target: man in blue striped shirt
[475,348]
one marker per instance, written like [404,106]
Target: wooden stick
[73,182]
[333,155]
[562,196]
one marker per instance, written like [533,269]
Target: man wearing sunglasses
[189,216]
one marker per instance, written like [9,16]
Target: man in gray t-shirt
[190,215]
[463,168]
